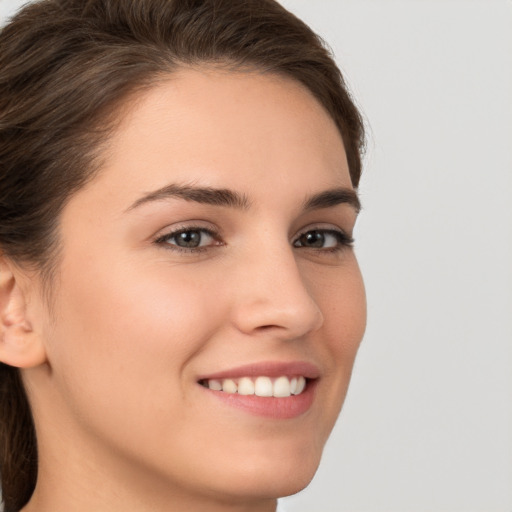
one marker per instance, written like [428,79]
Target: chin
[275,477]
[290,484]
[264,487]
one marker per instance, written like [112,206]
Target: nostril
[267,327]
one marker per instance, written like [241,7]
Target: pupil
[188,239]
[313,239]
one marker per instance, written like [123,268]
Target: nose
[273,296]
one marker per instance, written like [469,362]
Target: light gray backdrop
[427,425]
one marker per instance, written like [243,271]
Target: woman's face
[213,249]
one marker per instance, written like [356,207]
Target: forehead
[219,128]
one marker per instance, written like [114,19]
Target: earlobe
[20,344]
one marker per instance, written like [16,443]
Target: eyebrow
[333,197]
[204,195]
[230,198]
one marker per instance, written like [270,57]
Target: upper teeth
[260,386]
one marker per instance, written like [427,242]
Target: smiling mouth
[280,387]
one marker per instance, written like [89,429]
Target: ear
[20,344]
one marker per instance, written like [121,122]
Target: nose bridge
[273,294]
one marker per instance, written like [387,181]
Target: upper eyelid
[170,231]
[326,227]
[343,235]
[162,240]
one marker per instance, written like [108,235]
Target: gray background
[427,425]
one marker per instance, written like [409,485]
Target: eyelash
[344,241]
[163,240]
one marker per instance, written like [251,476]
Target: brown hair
[66,68]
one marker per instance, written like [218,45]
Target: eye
[323,239]
[189,239]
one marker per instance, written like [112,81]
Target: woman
[180,302]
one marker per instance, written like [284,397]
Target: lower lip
[270,407]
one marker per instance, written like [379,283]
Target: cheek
[130,330]
[347,314]
[340,295]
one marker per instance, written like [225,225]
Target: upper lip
[267,369]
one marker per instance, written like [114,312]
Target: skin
[112,372]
